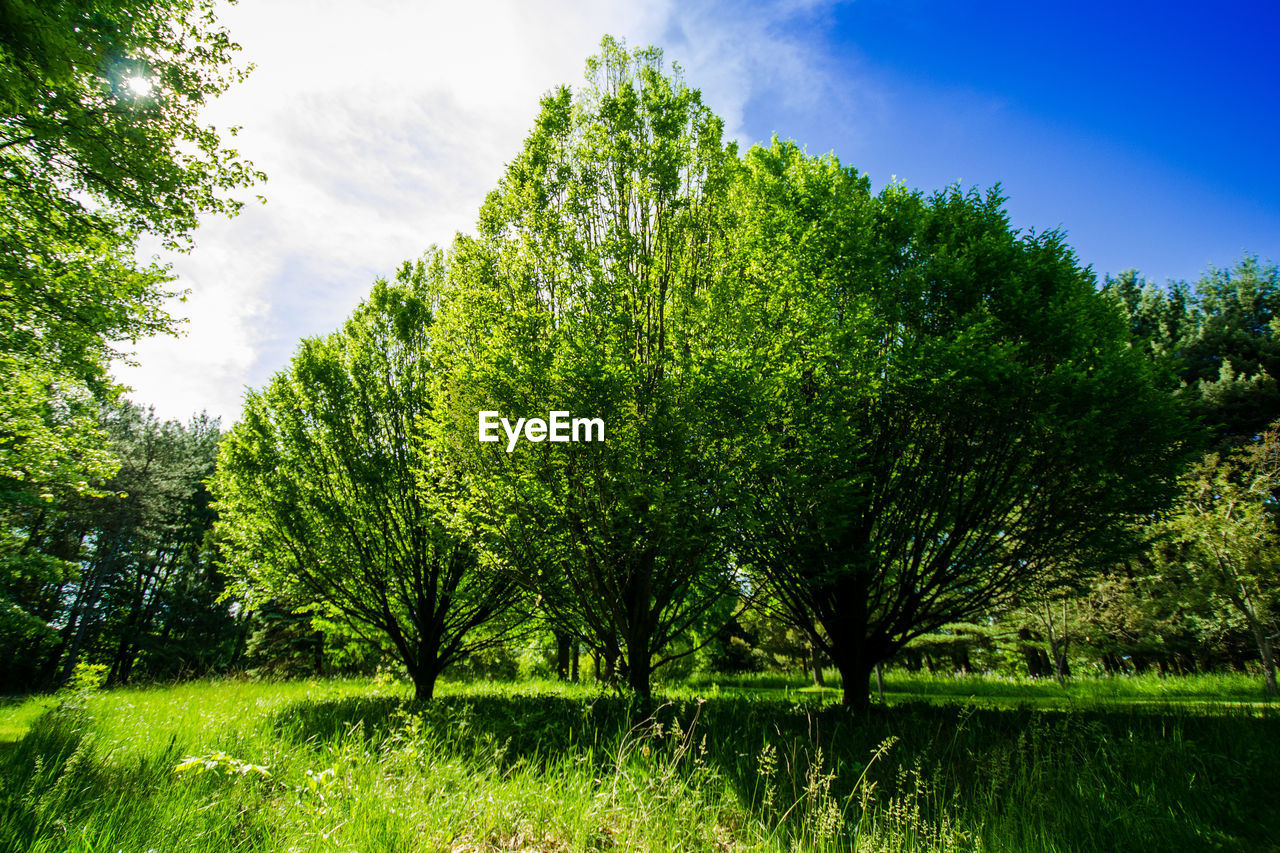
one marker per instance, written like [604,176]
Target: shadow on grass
[35,770]
[1118,691]
[61,790]
[1107,779]
[1021,779]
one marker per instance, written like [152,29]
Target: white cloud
[382,126]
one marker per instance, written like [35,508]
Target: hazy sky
[1148,132]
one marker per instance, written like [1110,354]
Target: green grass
[1208,692]
[1142,764]
[17,713]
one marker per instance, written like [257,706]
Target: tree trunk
[1058,654]
[126,656]
[317,656]
[424,682]
[1266,651]
[638,659]
[79,626]
[818,678]
[855,672]
[880,681]
[639,671]
[563,640]
[1037,661]
[574,666]
[424,672]
[1058,642]
[114,674]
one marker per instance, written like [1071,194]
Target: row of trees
[1209,578]
[886,422]
[881,412]
[1204,592]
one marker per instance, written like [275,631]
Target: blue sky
[1148,132]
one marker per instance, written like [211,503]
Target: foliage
[327,496]
[283,643]
[950,414]
[1226,527]
[50,436]
[589,290]
[125,575]
[220,763]
[1219,338]
[101,141]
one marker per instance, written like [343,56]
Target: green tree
[1230,358]
[1226,525]
[328,496]
[952,412]
[100,141]
[123,576]
[283,643]
[1218,337]
[1159,318]
[589,290]
[160,603]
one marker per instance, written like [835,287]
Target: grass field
[1210,692]
[747,764]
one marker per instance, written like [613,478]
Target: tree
[952,413]
[124,576]
[1230,357]
[1218,337]
[589,290]
[284,643]
[1158,318]
[1226,527]
[100,142]
[1050,618]
[150,575]
[328,495]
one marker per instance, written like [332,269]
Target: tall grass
[352,765]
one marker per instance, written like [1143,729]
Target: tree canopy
[328,498]
[1218,337]
[949,410]
[889,414]
[101,141]
[124,577]
[589,289]
[1223,531]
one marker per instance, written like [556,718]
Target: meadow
[755,763]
